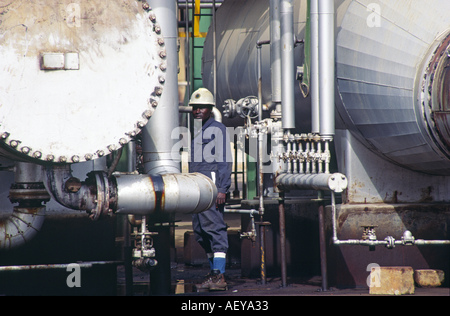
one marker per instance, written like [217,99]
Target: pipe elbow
[21,226]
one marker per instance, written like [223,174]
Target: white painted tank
[77,79]
[392,77]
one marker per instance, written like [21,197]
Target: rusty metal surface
[347,265]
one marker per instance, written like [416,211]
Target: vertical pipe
[287,64]
[326,68]
[187,52]
[214,48]
[314,18]
[275,50]
[260,136]
[262,236]
[323,252]
[156,136]
[282,220]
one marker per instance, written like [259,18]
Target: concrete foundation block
[391,280]
[429,277]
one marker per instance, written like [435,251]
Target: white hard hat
[202,96]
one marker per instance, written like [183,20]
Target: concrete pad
[391,280]
[429,277]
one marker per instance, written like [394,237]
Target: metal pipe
[147,194]
[336,182]
[389,242]
[287,64]
[21,226]
[275,50]
[262,242]
[326,68]
[131,193]
[315,114]
[28,216]
[323,247]
[84,265]
[282,225]
[260,133]
[214,48]
[157,143]
[68,190]
[241,211]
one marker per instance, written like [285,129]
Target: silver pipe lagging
[287,64]
[370,239]
[326,68]
[275,50]
[131,193]
[315,113]
[173,193]
[336,182]
[28,216]
[157,143]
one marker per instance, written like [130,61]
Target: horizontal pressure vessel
[392,79]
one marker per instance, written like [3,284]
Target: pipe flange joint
[102,201]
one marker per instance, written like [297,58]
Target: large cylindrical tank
[392,77]
[77,79]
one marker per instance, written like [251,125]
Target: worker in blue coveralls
[210,155]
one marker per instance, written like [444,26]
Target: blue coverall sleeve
[224,166]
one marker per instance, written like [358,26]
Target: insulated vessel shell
[391,72]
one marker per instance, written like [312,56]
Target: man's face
[201,112]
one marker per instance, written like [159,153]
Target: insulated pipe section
[27,217]
[140,194]
[287,64]
[157,143]
[336,182]
[326,67]
[275,50]
[315,114]
[21,226]
[181,193]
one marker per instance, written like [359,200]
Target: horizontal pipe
[363,242]
[147,194]
[389,242]
[241,211]
[336,182]
[84,265]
